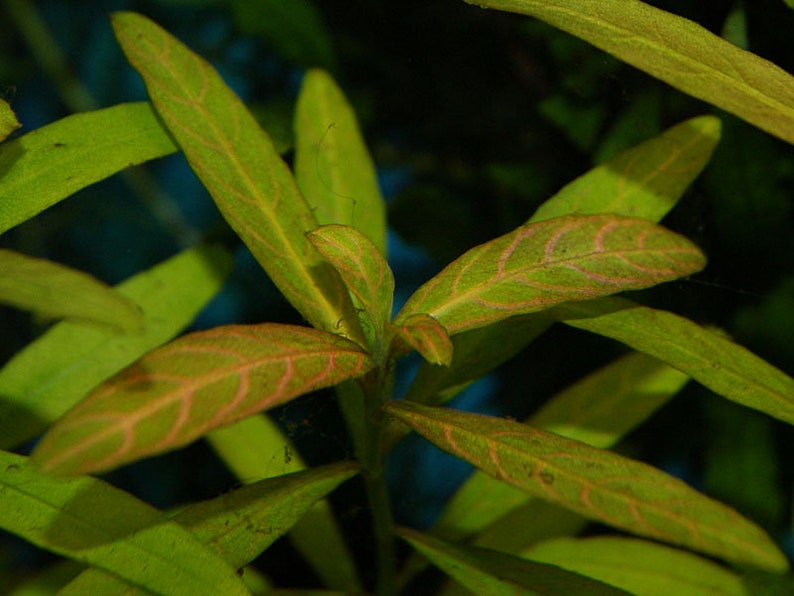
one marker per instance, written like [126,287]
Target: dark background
[474,118]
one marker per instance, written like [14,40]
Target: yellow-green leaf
[332,164]
[8,120]
[428,337]
[199,382]
[50,163]
[559,260]
[41,382]
[236,161]
[597,484]
[638,566]
[723,366]
[53,290]
[490,572]
[677,51]
[90,521]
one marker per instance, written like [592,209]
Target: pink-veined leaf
[428,337]
[199,382]
[540,265]
[597,484]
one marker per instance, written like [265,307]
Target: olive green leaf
[48,164]
[333,167]
[428,337]
[237,163]
[559,260]
[92,522]
[8,120]
[56,291]
[677,51]
[199,382]
[597,484]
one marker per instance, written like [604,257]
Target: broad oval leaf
[48,164]
[333,167]
[8,120]
[677,51]
[428,337]
[597,484]
[90,521]
[201,381]
[485,571]
[539,265]
[237,163]
[53,290]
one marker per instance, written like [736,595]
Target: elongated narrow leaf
[598,410]
[332,165]
[559,260]
[8,120]
[90,521]
[201,381]
[255,448]
[57,291]
[50,375]
[723,366]
[677,51]
[241,524]
[428,337]
[363,269]
[236,161]
[594,483]
[490,572]
[638,566]
[50,163]
[645,181]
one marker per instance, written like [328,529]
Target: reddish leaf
[199,382]
[428,337]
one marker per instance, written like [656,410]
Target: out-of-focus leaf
[597,484]
[539,265]
[53,290]
[677,51]
[638,566]
[8,120]
[236,161]
[333,167]
[50,375]
[239,525]
[726,368]
[48,164]
[428,337]
[490,572]
[92,522]
[199,382]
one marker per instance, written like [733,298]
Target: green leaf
[597,484]
[645,181]
[677,51]
[44,380]
[539,265]
[201,381]
[57,291]
[92,522]
[428,337]
[639,567]
[332,164]
[256,448]
[723,366]
[236,161]
[50,163]
[8,120]
[598,410]
[365,272]
[491,572]
[239,525]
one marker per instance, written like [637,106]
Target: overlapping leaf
[236,161]
[8,120]
[199,382]
[44,380]
[52,162]
[53,290]
[90,521]
[543,264]
[333,167]
[428,337]
[594,483]
[677,51]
